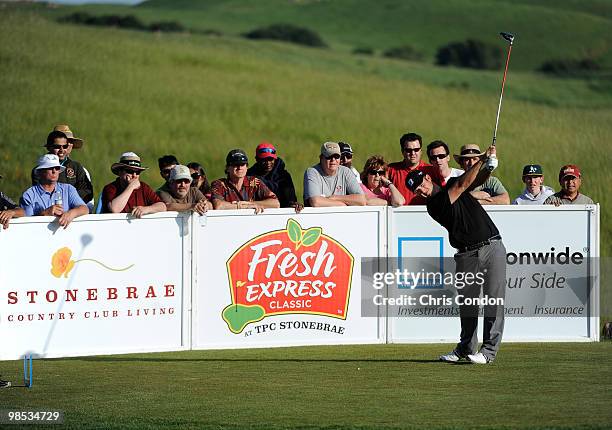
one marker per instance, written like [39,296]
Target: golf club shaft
[501,96]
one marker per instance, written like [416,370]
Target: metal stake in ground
[27,371]
[510,38]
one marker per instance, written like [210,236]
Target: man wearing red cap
[271,170]
[570,181]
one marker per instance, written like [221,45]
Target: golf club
[510,38]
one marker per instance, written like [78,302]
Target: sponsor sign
[89,289]
[284,279]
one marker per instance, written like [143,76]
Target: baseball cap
[265,150]
[569,170]
[179,172]
[235,157]
[414,179]
[48,161]
[533,170]
[345,148]
[330,148]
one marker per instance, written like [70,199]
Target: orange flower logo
[62,264]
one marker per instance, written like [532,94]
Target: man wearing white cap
[8,209]
[181,195]
[51,198]
[127,194]
[330,184]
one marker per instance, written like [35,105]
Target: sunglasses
[411,149]
[195,175]
[346,156]
[183,181]
[132,172]
[438,156]
[376,172]
[267,159]
[333,157]
[60,146]
[268,150]
[54,168]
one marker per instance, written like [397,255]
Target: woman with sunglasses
[378,189]
[199,179]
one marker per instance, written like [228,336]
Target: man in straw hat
[8,209]
[492,191]
[480,254]
[60,142]
[127,194]
[50,197]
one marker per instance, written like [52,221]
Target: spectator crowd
[62,187]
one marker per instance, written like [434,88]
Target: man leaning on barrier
[8,210]
[479,250]
[50,197]
[239,191]
[330,184]
[181,195]
[127,194]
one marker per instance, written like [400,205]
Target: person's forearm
[397,199]
[156,207]
[502,199]
[269,203]
[375,201]
[351,199]
[79,211]
[320,201]
[179,207]
[118,203]
[223,205]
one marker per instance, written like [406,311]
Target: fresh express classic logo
[290,271]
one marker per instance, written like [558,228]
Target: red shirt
[253,189]
[397,173]
[143,196]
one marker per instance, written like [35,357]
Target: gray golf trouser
[491,261]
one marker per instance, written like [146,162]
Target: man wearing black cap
[479,251]
[535,191]
[239,191]
[346,159]
[60,142]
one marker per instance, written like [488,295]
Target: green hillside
[199,96]
[545,29]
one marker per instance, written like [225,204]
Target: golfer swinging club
[479,249]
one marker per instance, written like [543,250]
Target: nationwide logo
[290,271]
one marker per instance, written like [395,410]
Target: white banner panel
[281,278]
[559,233]
[106,284]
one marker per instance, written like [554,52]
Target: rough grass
[530,386]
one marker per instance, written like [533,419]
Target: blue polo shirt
[35,199]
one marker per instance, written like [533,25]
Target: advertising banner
[281,278]
[107,284]
[551,290]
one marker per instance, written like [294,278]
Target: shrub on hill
[404,52]
[287,33]
[569,67]
[363,50]
[128,21]
[471,53]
